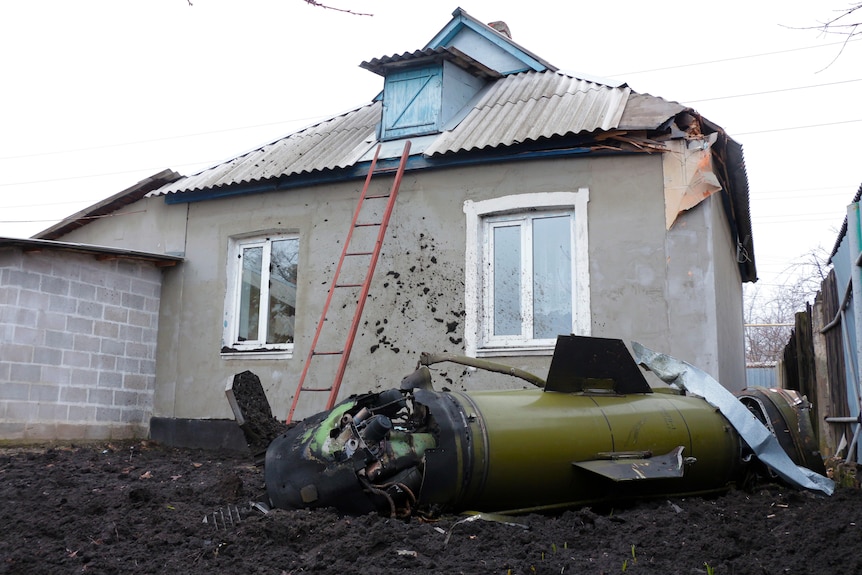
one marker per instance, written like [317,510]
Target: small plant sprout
[709,570]
[553,547]
[634,556]
[625,565]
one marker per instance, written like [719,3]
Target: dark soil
[138,508]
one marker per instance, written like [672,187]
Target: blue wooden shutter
[411,103]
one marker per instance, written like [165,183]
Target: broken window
[533,281]
[261,307]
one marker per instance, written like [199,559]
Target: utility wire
[771,91]
[708,62]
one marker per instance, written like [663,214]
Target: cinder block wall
[77,345]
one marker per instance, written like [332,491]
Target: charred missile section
[595,432]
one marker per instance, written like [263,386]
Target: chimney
[502,28]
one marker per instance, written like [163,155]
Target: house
[534,202]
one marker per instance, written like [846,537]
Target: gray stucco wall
[77,346]
[646,284]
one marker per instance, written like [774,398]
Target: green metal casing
[524,446]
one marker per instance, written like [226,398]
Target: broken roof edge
[109,205]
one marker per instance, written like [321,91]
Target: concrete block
[106,329]
[47,356]
[124,398]
[14,391]
[73,394]
[52,412]
[84,291]
[82,413]
[135,416]
[131,333]
[76,358]
[112,347]
[148,367]
[88,343]
[62,304]
[120,282]
[29,335]
[108,296]
[25,373]
[54,285]
[138,350]
[146,288]
[20,316]
[137,382]
[79,325]
[59,339]
[111,379]
[133,301]
[128,365]
[15,353]
[103,362]
[21,410]
[90,309]
[56,375]
[116,314]
[108,414]
[23,279]
[48,320]
[44,393]
[100,396]
[33,299]
[84,377]
[141,318]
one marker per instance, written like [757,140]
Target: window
[261,302]
[528,277]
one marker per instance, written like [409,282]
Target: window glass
[506,245]
[552,277]
[249,306]
[282,290]
[261,303]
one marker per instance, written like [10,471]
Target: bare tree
[769,314]
[847,23]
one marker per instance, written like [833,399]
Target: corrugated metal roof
[381,65]
[347,137]
[532,105]
[516,109]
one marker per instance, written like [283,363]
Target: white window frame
[481,217]
[230,339]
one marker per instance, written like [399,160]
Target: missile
[594,432]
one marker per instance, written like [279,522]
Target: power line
[152,140]
[776,91]
[796,128]
[732,59]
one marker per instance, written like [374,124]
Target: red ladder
[365,285]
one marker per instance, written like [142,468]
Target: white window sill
[514,351]
[258,354]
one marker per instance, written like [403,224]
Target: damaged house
[534,202]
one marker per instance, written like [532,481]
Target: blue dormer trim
[462,21]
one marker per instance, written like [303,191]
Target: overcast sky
[97,95]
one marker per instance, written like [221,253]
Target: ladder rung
[339,352]
[348,285]
[372,224]
[380,197]
[316,389]
[359,254]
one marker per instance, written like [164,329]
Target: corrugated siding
[761,376]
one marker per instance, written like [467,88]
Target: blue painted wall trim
[387,166]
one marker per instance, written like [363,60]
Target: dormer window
[424,90]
